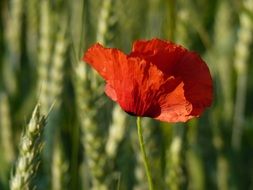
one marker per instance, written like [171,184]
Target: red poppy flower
[158,79]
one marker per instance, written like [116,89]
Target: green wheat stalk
[56,73]
[44,57]
[103,22]
[32,13]
[13,26]
[91,137]
[223,44]
[117,131]
[223,49]
[242,53]
[88,90]
[6,129]
[194,161]
[29,151]
[12,35]
[55,84]
[59,166]
[174,173]
[6,139]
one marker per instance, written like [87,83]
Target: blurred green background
[88,141]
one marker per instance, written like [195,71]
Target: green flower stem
[145,158]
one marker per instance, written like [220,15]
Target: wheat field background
[59,131]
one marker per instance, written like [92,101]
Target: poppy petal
[154,45]
[104,60]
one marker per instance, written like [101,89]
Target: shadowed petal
[197,81]
[147,46]
[165,55]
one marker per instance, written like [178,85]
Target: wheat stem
[242,52]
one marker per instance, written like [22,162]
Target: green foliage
[89,142]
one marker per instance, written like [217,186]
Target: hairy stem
[143,151]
